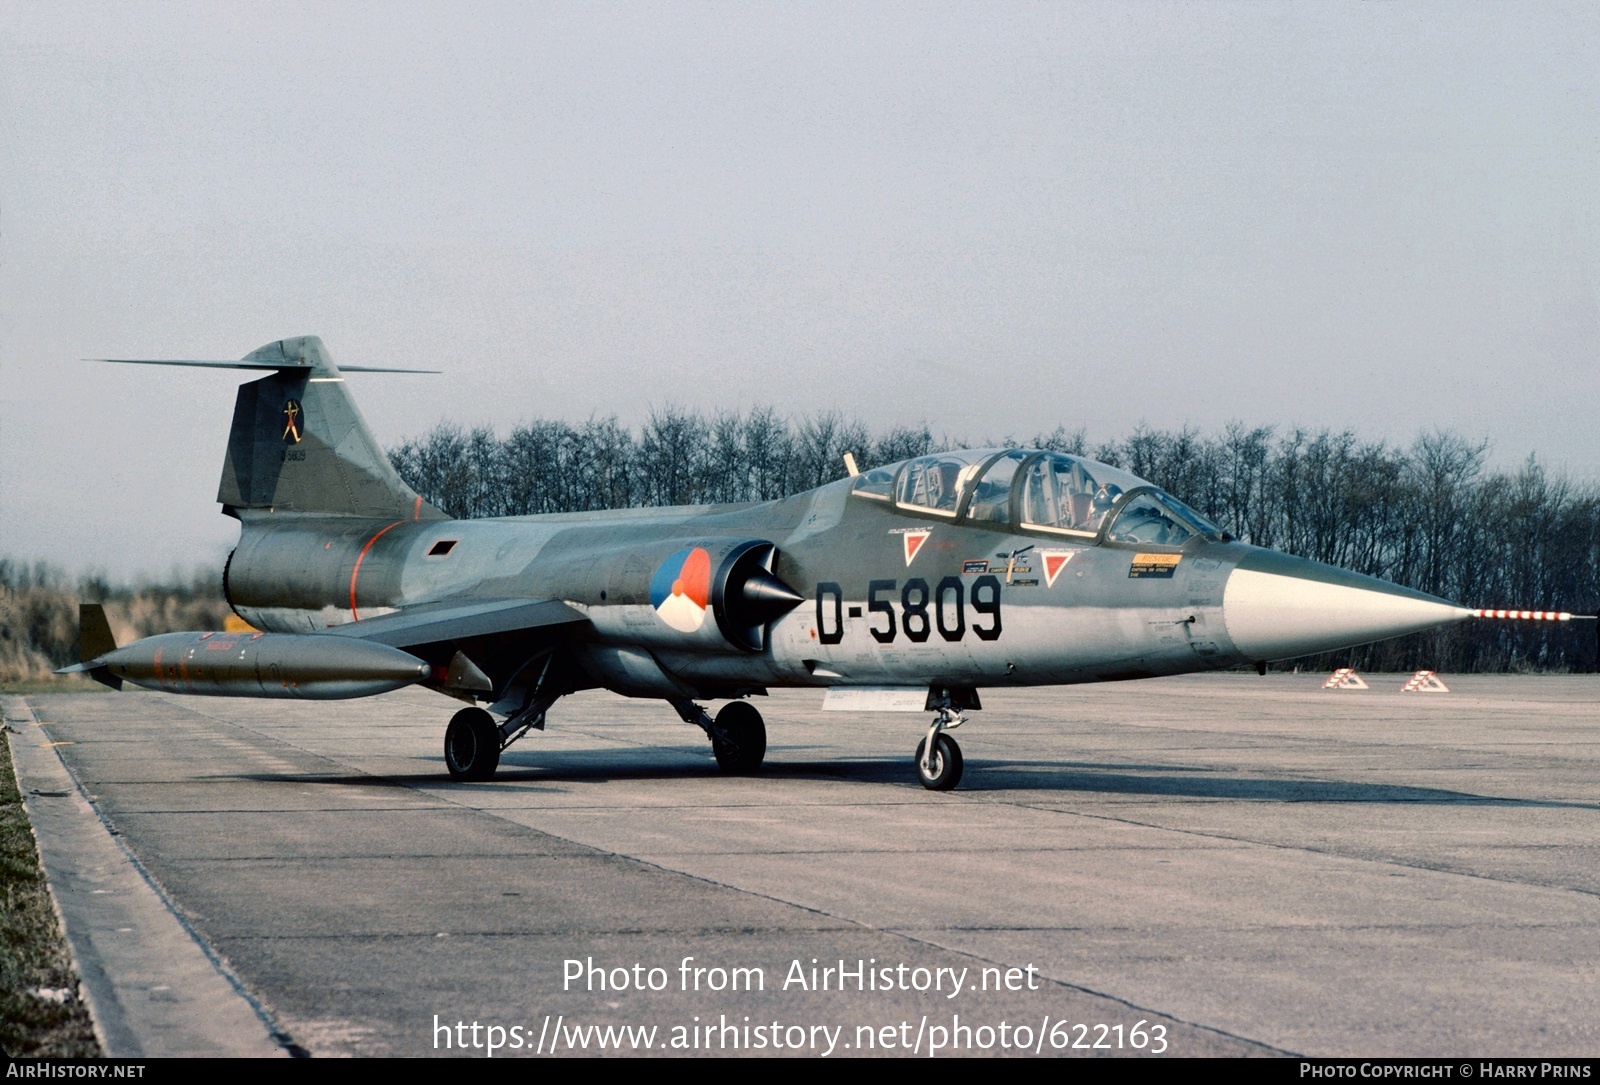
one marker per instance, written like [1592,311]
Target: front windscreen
[1160,519]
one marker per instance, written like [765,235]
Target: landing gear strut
[473,742]
[939,762]
[738,734]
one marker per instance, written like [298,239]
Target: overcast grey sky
[993,218]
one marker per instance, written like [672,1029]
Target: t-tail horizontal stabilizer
[302,352]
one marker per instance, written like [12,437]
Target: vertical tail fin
[299,444]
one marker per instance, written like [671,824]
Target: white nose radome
[1294,607]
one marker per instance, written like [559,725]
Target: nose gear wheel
[942,771]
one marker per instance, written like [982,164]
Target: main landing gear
[472,745]
[739,738]
[738,734]
[939,762]
[473,742]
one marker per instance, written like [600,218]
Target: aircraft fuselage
[959,603]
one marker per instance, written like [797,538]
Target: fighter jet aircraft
[913,585]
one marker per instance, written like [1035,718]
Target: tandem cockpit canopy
[1047,492]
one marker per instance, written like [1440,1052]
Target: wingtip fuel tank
[285,665]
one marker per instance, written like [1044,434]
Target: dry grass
[38,633]
[39,620]
[33,953]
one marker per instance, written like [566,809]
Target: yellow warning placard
[1154,565]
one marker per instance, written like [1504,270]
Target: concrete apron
[153,987]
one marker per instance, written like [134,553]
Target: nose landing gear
[939,762]
[942,771]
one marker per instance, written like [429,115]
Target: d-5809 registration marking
[916,610]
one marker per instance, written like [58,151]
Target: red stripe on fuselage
[354,617]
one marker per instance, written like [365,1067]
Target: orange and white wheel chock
[1425,682]
[1345,678]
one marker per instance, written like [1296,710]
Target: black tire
[947,765]
[746,744]
[472,745]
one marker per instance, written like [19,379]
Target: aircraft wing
[433,623]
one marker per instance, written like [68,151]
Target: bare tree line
[677,458]
[1430,515]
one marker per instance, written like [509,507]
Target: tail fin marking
[299,444]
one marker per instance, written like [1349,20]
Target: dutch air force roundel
[681,589]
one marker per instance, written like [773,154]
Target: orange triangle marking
[914,541]
[1054,562]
